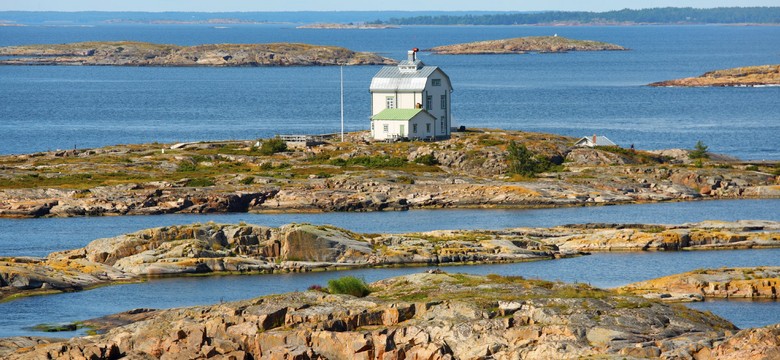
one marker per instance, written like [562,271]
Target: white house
[594,141]
[403,123]
[411,85]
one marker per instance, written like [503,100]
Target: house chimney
[594,139]
[410,55]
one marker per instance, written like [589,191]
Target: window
[444,124]
[414,128]
[429,102]
[390,101]
[385,128]
[444,101]
[436,82]
[427,127]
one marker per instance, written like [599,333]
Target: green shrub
[273,146]
[372,162]
[266,166]
[249,180]
[403,179]
[522,161]
[427,159]
[187,166]
[751,168]
[338,162]
[348,285]
[490,142]
[200,182]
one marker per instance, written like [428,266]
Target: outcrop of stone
[422,316]
[749,344]
[210,248]
[522,45]
[752,283]
[763,75]
[470,170]
[129,53]
[707,235]
[215,248]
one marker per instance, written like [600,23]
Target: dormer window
[436,82]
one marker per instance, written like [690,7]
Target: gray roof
[391,78]
[600,141]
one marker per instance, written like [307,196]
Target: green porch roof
[396,114]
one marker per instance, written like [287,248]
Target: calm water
[603,270]
[39,237]
[573,94]
[43,108]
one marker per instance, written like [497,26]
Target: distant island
[742,76]
[129,53]
[522,45]
[213,21]
[360,26]
[667,15]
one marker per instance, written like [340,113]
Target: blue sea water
[576,94]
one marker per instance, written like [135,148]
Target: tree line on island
[667,15]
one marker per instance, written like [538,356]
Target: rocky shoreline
[522,45]
[422,316]
[220,248]
[129,53]
[468,171]
[761,282]
[749,76]
[340,26]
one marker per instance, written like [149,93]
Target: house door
[403,131]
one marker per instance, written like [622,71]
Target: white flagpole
[342,102]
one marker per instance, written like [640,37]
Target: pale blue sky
[326,5]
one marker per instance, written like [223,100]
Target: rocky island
[751,283]
[240,248]
[522,45]
[473,169]
[129,53]
[422,316]
[765,75]
[338,26]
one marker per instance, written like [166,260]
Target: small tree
[699,151]
[524,162]
[273,146]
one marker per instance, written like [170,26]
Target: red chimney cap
[415,49]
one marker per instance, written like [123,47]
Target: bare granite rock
[752,283]
[215,248]
[422,316]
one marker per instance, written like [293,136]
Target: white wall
[403,100]
[436,92]
[394,128]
